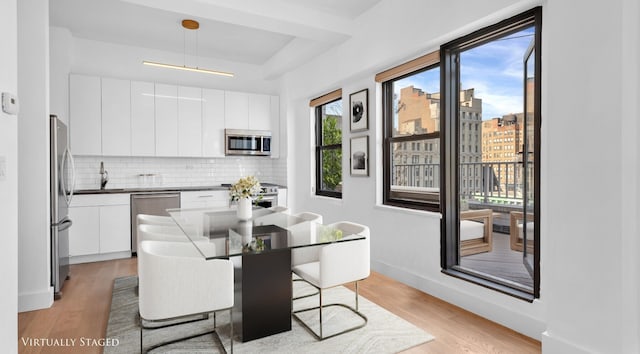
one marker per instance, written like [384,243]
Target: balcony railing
[484,182]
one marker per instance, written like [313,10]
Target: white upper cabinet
[274,115]
[212,123]
[259,112]
[236,110]
[166,104]
[189,121]
[116,117]
[143,120]
[85,115]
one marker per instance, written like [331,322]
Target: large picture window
[491,156]
[411,149]
[328,128]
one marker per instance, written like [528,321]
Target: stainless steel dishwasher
[150,204]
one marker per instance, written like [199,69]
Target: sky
[494,70]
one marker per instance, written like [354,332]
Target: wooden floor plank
[84,311]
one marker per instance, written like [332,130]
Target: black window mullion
[405,199]
[319,149]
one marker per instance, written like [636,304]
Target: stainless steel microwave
[247,142]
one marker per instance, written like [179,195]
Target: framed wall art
[359,116]
[360,156]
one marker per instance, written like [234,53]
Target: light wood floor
[83,312]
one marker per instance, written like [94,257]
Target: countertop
[159,189]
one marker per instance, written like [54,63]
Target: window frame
[404,199]
[450,154]
[320,148]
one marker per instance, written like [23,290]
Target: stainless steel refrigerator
[62,183]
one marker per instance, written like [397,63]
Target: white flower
[245,188]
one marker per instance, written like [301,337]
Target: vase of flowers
[243,191]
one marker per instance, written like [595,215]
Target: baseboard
[35,300]
[554,345]
[508,317]
[99,257]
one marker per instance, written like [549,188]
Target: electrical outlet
[10,103]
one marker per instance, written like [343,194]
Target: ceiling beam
[274,15]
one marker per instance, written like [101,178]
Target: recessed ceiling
[120,22]
[268,33]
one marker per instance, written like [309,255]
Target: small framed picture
[359,116]
[360,156]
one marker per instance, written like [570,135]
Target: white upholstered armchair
[175,281]
[338,263]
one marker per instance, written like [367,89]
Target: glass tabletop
[218,233]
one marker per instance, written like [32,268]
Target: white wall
[9,183]
[630,175]
[585,263]
[33,129]
[590,254]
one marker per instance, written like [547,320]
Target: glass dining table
[260,249]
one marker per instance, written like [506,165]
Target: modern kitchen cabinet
[166,113]
[204,199]
[101,227]
[259,112]
[84,235]
[189,121]
[236,110]
[116,117]
[143,120]
[85,115]
[274,117]
[115,228]
[213,103]
[247,111]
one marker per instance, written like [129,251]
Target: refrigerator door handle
[68,193]
[73,176]
[64,224]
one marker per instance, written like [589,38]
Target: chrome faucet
[104,176]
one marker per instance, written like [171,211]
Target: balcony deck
[501,262]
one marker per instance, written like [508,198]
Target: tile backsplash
[131,172]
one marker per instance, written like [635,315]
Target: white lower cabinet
[84,234]
[115,228]
[204,199]
[101,227]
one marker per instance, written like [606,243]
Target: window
[501,61]
[411,114]
[328,155]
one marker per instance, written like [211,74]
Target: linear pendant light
[187,68]
[191,25]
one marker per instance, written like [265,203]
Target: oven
[269,195]
[268,192]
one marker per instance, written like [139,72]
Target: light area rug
[384,333]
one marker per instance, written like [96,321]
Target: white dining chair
[338,263]
[177,282]
[279,209]
[154,220]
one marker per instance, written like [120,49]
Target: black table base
[263,295]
